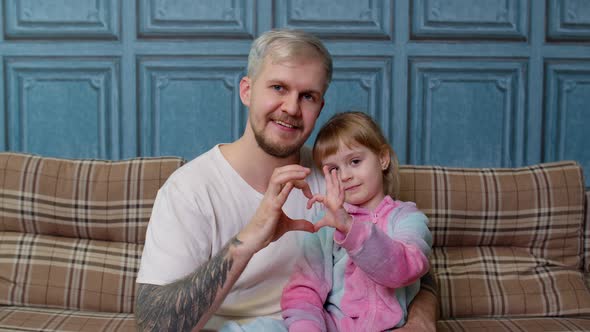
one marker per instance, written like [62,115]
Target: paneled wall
[452,82]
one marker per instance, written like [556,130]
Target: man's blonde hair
[357,128]
[286,44]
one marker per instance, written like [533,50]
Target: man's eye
[277,87]
[308,97]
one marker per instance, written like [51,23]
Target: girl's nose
[345,174]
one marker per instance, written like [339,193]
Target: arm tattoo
[180,305]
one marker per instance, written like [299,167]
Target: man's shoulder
[198,169]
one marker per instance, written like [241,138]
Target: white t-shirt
[203,205]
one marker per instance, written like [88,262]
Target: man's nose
[291,104]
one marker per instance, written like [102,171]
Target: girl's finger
[327,178]
[321,223]
[315,198]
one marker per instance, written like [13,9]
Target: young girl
[361,272]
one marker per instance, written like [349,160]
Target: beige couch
[510,248]
[509,244]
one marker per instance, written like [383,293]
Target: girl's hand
[336,216]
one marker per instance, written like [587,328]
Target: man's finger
[284,193]
[281,176]
[300,225]
[301,184]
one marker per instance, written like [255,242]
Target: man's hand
[422,313]
[336,216]
[269,222]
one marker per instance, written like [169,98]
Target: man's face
[284,101]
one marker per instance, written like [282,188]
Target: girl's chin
[355,201]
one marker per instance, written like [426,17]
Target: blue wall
[453,82]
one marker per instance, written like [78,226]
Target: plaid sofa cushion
[507,242]
[72,231]
[587,235]
[42,319]
[553,324]
[87,199]
[67,273]
[540,208]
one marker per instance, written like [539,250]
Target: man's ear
[245,90]
[384,158]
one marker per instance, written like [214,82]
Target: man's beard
[274,149]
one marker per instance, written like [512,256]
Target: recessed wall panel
[567,114]
[189,105]
[467,113]
[568,20]
[199,19]
[470,19]
[359,84]
[3,109]
[63,107]
[59,19]
[338,19]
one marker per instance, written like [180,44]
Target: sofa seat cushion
[587,234]
[44,319]
[515,324]
[68,273]
[505,281]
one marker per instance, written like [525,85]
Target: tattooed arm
[189,302]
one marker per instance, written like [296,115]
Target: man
[219,246]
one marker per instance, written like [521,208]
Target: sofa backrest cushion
[72,231]
[540,207]
[86,199]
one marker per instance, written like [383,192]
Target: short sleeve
[178,238]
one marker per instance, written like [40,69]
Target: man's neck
[252,163]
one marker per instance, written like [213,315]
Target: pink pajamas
[363,280]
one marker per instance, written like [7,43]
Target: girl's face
[360,171]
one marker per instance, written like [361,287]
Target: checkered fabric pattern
[88,199]
[587,242]
[587,235]
[42,319]
[507,242]
[515,324]
[71,238]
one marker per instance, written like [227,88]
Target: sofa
[510,245]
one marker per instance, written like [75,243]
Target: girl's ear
[384,158]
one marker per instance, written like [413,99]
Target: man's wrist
[239,250]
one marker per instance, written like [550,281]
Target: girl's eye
[332,169]
[355,161]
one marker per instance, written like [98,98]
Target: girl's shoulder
[405,208]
